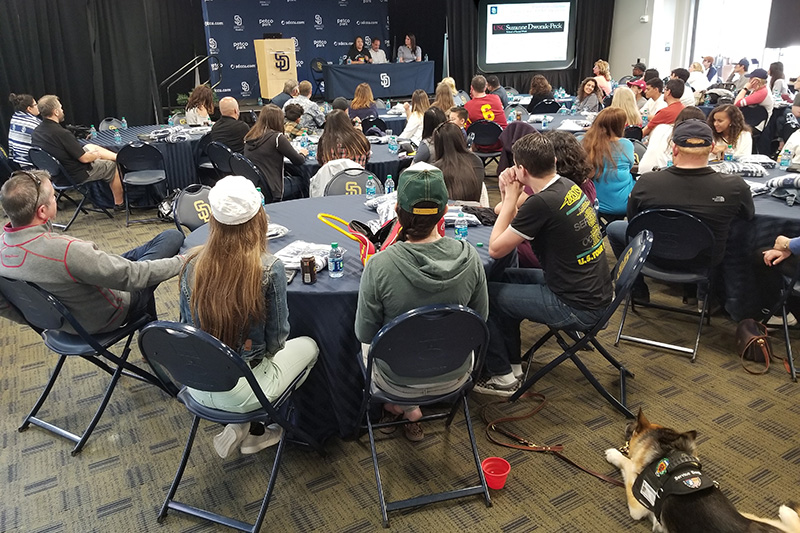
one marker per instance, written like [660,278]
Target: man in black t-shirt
[229,130]
[573,287]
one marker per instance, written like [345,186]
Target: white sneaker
[777,320]
[255,443]
[487,386]
[230,438]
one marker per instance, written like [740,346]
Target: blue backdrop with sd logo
[320,28]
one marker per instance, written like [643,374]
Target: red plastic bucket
[495,470]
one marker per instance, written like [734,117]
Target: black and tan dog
[664,481]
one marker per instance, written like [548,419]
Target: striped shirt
[19,137]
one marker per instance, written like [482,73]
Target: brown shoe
[413,431]
[388,417]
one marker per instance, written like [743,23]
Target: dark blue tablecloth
[328,403]
[387,80]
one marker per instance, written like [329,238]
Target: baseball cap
[422,182]
[640,83]
[234,200]
[692,129]
[744,62]
[640,66]
[757,73]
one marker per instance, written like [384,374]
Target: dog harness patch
[676,473]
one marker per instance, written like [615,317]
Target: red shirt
[487,107]
[666,115]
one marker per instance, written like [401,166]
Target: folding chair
[190,209]
[373,122]
[241,166]
[198,360]
[46,315]
[486,133]
[423,344]
[110,123]
[220,156]
[634,133]
[141,165]
[791,287]
[510,91]
[316,74]
[352,181]
[63,183]
[628,267]
[511,113]
[682,253]
[546,106]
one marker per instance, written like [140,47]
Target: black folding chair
[682,253]
[510,91]
[241,166]
[628,267]
[791,287]
[352,181]
[142,165]
[46,315]
[513,111]
[195,359]
[422,345]
[110,123]
[63,184]
[486,133]
[316,74]
[190,209]
[634,133]
[546,106]
[373,122]
[220,156]
[6,166]
[753,116]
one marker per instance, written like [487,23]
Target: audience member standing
[24,120]
[611,157]
[229,130]
[409,52]
[672,96]
[313,117]
[200,106]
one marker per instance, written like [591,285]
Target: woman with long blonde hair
[235,290]
[414,111]
[625,100]
[602,76]
[611,158]
[363,104]
[443,99]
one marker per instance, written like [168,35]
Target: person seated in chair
[689,185]
[103,291]
[84,163]
[291,121]
[290,90]
[422,268]
[493,87]
[229,130]
[756,93]
[673,91]
[572,289]
[784,253]
[312,117]
[234,289]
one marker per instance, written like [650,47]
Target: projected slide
[522,35]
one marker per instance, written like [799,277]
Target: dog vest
[676,473]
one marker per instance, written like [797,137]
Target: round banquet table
[329,402]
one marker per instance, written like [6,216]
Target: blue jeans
[616,236]
[166,244]
[523,294]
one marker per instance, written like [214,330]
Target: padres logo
[385,80]
[203,210]
[281,61]
[352,188]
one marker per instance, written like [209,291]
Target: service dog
[665,482]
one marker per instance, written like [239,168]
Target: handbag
[752,343]
[369,243]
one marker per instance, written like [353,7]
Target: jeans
[523,294]
[616,236]
[166,244]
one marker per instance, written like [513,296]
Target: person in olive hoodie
[422,268]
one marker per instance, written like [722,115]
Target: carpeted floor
[747,426]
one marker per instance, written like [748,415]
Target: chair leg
[181,468]
[272,477]
[622,320]
[78,210]
[43,396]
[127,209]
[381,498]
[537,376]
[619,405]
[486,497]
[700,327]
[789,356]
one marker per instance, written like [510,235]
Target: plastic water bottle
[93,132]
[707,100]
[335,261]
[545,122]
[124,124]
[393,146]
[574,109]
[312,150]
[426,57]
[371,188]
[728,156]
[562,110]
[389,184]
[786,159]
[117,137]
[171,120]
[461,228]
[304,141]
[260,102]
[644,118]
[388,105]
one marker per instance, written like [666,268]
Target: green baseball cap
[422,182]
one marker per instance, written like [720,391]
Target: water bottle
[461,228]
[93,132]
[171,120]
[562,110]
[312,150]
[728,156]
[389,184]
[335,261]
[124,124]
[388,105]
[545,122]
[304,141]
[260,102]
[644,118]
[707,100]
[786,159]
[117,137]
[574,109]
[426,57]
[393,146]
[371,188]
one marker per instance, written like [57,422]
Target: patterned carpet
[747,425]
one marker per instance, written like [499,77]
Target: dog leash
[521,443]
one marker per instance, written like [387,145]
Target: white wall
[630,39]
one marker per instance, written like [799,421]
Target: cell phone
[290,274]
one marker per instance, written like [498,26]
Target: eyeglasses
[36,181]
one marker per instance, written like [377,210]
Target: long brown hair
[362,97]
[736,127]
[540,85]
[202,95]
[227,296]
[339,132]
[419,101]
[444,97]
[269,119]
[455,162]
[608,125]
[582,94]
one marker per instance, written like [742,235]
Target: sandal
[388,417]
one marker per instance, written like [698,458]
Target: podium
[276,64]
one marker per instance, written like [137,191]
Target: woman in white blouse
[414,111]
[727,123]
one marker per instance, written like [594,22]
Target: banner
[323,29]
